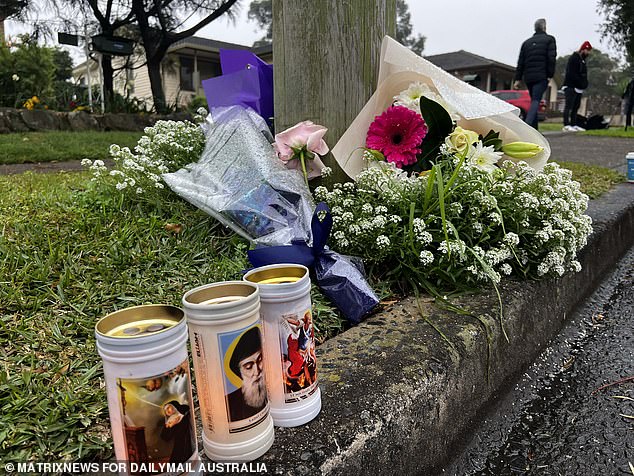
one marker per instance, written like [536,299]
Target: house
[484,73]
[187,63]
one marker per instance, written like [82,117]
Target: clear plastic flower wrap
[240,181]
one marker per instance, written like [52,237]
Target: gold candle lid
[139,321]
[279,275]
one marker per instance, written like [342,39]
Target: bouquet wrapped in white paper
[404,77]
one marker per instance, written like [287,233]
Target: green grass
[69,256]
[594,180]
[550,126]
[51,146]
[611,132]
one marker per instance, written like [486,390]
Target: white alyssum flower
[426,257]
[382,242]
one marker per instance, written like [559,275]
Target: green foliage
[70,255]
[440,125]
[196,103]
[404,29]
[165,147]
[28,69]
[619,23]
[611,132]
[63,64]
[594,180]
[458,227]
[261,11]
[60,146]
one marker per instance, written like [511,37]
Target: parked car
[521,99]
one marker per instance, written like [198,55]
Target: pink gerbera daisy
[397,134]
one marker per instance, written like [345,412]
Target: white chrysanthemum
[483,157]
[410,98]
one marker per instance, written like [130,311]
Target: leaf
[440,126]
[492,138]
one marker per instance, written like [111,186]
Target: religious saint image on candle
[299,362]
[245,386]
[158,417]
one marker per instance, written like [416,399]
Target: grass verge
[31,147]
[611,132]
[69,256]
[594,180]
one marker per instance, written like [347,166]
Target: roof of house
[461,60]
[215,45]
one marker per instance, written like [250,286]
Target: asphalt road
[593,150]
[567,415]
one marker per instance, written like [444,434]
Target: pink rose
[305,134]
[305,142]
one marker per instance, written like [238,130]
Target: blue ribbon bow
[336,275]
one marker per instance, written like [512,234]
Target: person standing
[536,65]
[628,96]
[576,80]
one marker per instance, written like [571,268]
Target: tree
[404,29]
[261,12]
[63,64]
[158,24]
[9,9]
[26,69]
[619,23]
[111,18]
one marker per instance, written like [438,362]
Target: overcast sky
[491,28]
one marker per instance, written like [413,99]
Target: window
[186,73]
[208,69]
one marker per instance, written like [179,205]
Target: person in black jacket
[536,65]
[575,82]
[628,96]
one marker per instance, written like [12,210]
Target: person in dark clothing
[576,80]
[628,96]
[536,65]
[177,428]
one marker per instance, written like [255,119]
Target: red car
[521,99]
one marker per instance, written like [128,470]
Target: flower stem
[302,160]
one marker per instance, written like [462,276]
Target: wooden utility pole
[326,57]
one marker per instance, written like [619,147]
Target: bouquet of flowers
[451,189]
[403,79]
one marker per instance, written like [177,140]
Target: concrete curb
[398,399]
